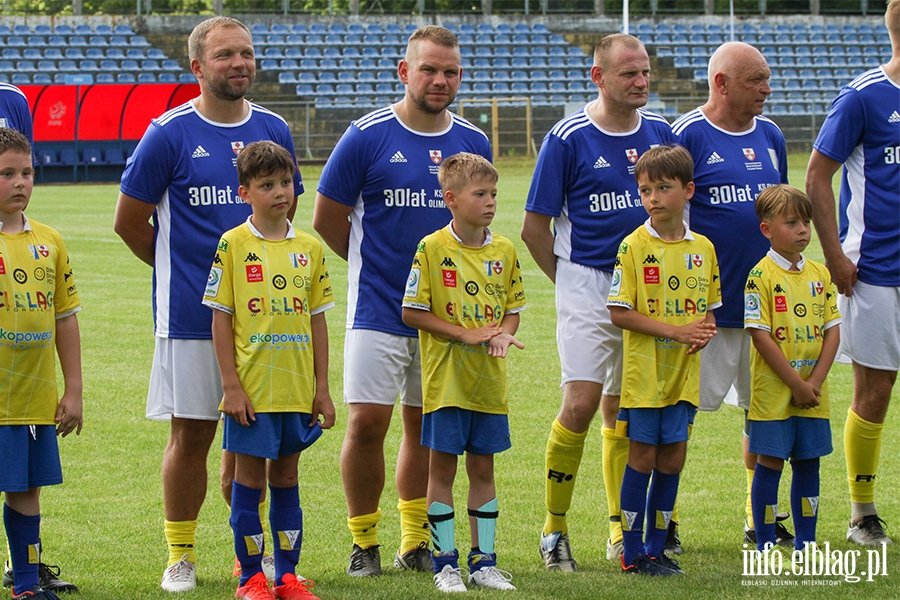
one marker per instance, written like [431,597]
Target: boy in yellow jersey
[664,288]
[791,313]
[269,288]
[464,295]
[38,306]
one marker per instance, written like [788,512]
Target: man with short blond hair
[377,198]
[584,185]
[862,133]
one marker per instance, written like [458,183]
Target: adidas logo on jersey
[200,152]
[714,158]
[398,157]
[601,163]
[895,118]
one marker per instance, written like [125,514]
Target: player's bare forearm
[132,224]
[819,175]
[70,410]
[696,333]
[830,344]
[803,393]
[538,238]
[235,402]
[428,322]
[322,403]
[331,221]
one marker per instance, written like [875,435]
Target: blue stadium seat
[123,30]
[39,41]
[16,41]
[21,79]
[32,54]
[187,78]
[109,66]
[139,41]
[119,41]
[268,64]
[62,30]
[146,78]
[105,78]
[156,54]
[280,29]
[288,64]
[98,41]
[46,66]
[26,66]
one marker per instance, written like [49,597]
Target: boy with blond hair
[464,294]
[664,287]
[34,265]
[791,313]
[269,288]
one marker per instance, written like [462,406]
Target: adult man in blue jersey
[737,153]
[377,198]
[584,183]
[183,175]
[16,114]
[862,132]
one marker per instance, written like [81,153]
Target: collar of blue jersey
[255,231]
[783,262]
[487,239]
[687,231]
[25,227]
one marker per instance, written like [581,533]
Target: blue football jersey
[14,111]
[584,179]
[730,170]
[862,130]
[186,166]
[388,174]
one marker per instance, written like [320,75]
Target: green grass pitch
[104,524]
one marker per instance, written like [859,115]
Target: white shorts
[184,381]
[380,366]
[725,370]
[590,346]
[870,331]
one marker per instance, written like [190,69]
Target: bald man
[862,133]
[737,153]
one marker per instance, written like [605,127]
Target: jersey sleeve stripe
[178,111]
[374,117]
[682,122]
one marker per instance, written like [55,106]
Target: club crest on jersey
[237,146]
[436,156]
[298,259]
[632,155]
[39,250]
[816,288]
[749,154]
[493,266]
[254,274]
[693,260]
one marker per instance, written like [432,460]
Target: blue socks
[805,500]
[633,500]
[286,521]
[23,533]
[764,498]
[660,503]
[248,532]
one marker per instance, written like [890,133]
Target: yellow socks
[615,457]
[180,539]
[862,447]
[564,449]
[749,509]
[365,529]
[414,529]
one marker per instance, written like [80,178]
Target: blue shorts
[271,435]
[457,430]
[657,426]
[31,457]
[800,438]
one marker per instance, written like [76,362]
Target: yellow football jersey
[795,307]
[272,288]
[470,287]
[36,289]
[672,282]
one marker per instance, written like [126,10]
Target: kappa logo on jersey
[237,146]
[493,266]
[601,163]
[299,259]
[778,289]
[751,285]
[651,274]
[398,157]
[252,257]
[714,158]
[780,304]
[894,118]
[38,250]
[749,154]
[693,260]
[200,152]
[254,274]
[447,262]
[651,260]
[217,260]
[436,156]
[449,277]
[632,155]
[816,288]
